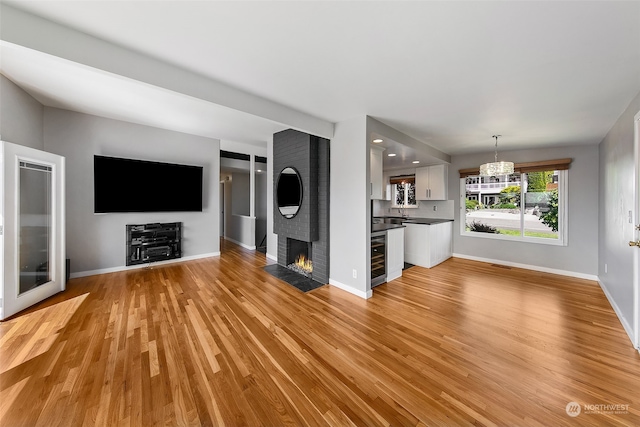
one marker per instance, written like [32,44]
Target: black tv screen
[127,185]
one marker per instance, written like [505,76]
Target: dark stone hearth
[296,280]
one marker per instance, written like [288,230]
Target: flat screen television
[128,185]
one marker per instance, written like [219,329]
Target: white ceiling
[450,74]
[57,82]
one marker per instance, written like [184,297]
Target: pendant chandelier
[496,168]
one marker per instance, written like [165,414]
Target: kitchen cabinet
[376,187]
[395,253]
[428,245]
[432,182]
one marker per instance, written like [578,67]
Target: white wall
[350,230]
[243,147]
[97,242]
[375,127]
[261,206]
[240,227]
[21,116]
[240,188]
[616,201]
[444,209]
[228,206]
[581,254]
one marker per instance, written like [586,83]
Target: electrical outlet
[355,274]
[606,268]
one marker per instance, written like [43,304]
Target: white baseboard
[251,248]
[529,267]
[271,257]
[135,267]
[623,320]
[393,275]
[365,295]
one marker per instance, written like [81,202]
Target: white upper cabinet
[376,187]
[432,182]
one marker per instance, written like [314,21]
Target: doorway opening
[243,200]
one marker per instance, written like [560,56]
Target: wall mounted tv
[128,185]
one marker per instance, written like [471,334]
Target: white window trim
[563,195]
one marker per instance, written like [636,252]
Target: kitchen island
[389,220]
[427,244]
[427,241]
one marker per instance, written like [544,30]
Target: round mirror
[289,192]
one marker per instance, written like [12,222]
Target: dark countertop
[384,227]
[425,221]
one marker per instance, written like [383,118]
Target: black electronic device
[153,242]
[128,185]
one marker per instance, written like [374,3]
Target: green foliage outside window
[537,181]
[510,195]
[550,218]
[479,227]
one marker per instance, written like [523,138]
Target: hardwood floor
[220,342]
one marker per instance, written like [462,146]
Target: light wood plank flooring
[220,342]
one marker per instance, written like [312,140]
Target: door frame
[12,300]
[636,235]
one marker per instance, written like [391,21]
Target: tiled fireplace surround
[309,155]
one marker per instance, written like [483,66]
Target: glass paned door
[34,218]
[32,223]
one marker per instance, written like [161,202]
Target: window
[527,206]
[403,191]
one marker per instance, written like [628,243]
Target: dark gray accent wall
[309,155]
[321,246]
[298,150]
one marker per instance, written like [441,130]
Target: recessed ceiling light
[377,141]
[391,155]
[259,170]
[416,161]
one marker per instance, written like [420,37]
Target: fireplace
[305,233]
[299,257]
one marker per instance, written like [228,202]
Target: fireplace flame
[304,263]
